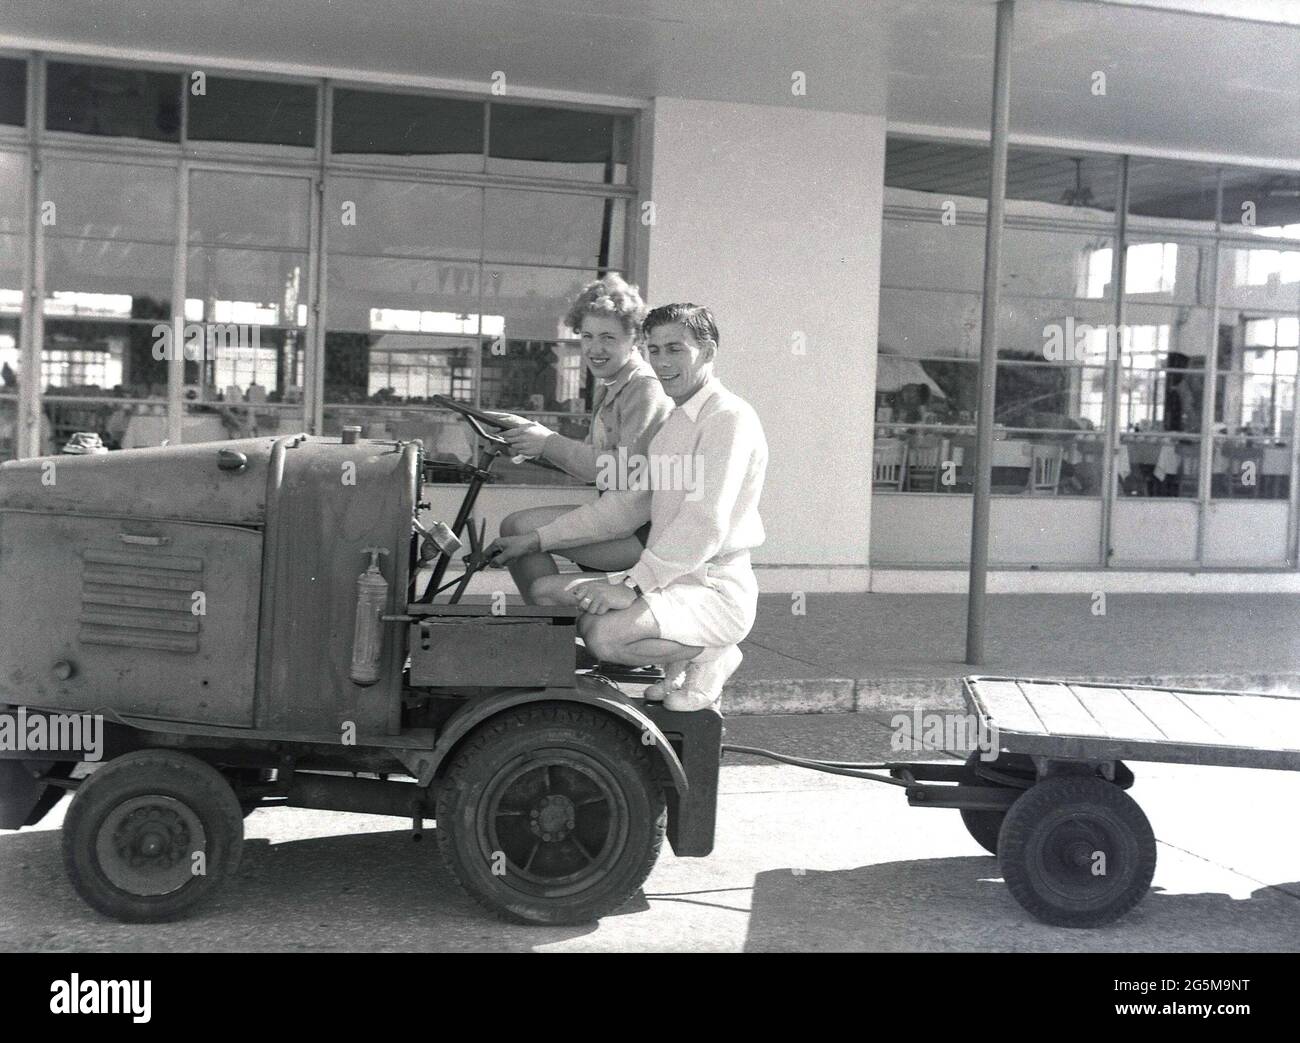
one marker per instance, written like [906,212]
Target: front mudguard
[689,747]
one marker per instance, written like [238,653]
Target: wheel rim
[559,818]
[145,845]
[1065,852]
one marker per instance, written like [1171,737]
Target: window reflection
[419,130]
[536,141]
[1261,202]
[13,92]
[262,112]
[113,102]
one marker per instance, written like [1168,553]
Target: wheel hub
[152,834]
[558,816]
[553,818]
[145,845]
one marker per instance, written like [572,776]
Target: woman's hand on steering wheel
[508,418]
[528,439]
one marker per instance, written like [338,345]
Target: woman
[629,407]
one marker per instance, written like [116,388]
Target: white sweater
[710,458]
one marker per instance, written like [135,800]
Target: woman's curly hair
[611,295]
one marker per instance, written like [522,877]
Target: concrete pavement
[804,862]
[840,653]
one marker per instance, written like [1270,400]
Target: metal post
[979,530]
[1114,366]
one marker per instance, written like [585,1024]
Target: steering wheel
[477,418]
[472,414]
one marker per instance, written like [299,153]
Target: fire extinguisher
[368,637]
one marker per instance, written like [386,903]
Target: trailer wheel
[1077,851]
[984,826]
[152,834]
[550,814]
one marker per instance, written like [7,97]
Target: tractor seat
[619,673]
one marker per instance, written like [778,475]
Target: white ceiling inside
[1200,83]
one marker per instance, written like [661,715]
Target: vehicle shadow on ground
[353,892]
[962,905]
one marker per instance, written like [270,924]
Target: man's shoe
[702,686]
[674,675]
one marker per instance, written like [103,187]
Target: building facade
[199,246]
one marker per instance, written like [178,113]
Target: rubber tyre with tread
[984,826]
[509,743]
[143,773]
[1044,852]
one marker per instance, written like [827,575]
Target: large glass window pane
[1157,336]
[534,141]
[1161,400]
[114,200]
[110,278]
[925,391]
[930,174]
[102,357]
[1263,277]
[1261,202]
[239,209]
[921,323]
[1149,463]
[1251,468]
[265,287]
[113,102]
[242,381]
[555,229]
[1063,398]
[530,303]
[442,133]
[1258,342]
[1041,329]
[259,112]
[13,92]
[385,369]
[1169,271]
[1255,404]
[401,295]
[1040,184]
[932,256]
[377,217]
[1172,195]
[1059,186]
[535,376]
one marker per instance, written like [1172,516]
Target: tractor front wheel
[151,834]
[550,814]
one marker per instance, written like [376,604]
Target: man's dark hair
[695,317]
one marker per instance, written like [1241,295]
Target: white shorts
[712,610]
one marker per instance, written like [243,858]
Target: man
[692,596]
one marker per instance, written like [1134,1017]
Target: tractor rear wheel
[550,814]
[151,834]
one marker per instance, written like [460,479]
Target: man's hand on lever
[507,548]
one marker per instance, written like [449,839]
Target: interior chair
[889,464]
[1045,470]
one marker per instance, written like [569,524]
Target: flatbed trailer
[1046,792]
[1074,848]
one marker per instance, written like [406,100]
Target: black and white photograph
[612,477]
